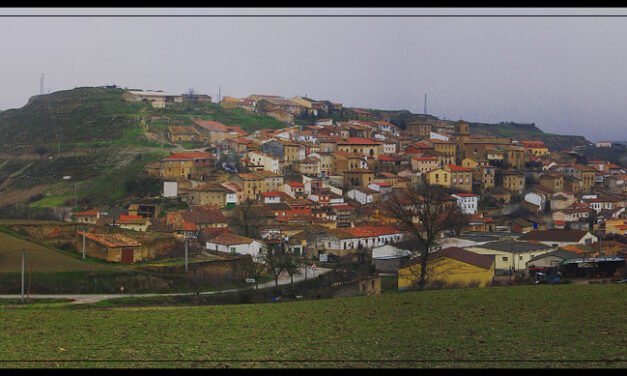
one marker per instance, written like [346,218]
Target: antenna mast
[41,85]
[425,104]
[219,94]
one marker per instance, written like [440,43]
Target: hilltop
[99,139]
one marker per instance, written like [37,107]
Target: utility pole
[23,261]
[186,241]
[219,94]
[84,244]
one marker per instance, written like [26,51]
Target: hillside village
[320,192]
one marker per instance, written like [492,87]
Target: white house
[510,255]
[603,144]
[389,147]
[467,202]
[170,189]
[271,197]
[537,199]
[266,161]
[362,195]
[437,136]
[233,243]
[349,239]
[559,238]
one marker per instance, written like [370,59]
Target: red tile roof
[111,240]
[189,155]
[131,218]
[358,141]
[295,184]
[88,213]
[459,168]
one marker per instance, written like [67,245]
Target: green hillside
[563,326]
[99,139]
[529,132]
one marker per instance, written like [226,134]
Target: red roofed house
[133,222]
[182,164]
[109,247]
[461,177]
[294,189]
[89,216]
[234,244]
[534,147]
[350,240]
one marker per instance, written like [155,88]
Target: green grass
[43,258]
[51,201]
[573,326]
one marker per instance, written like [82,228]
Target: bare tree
[247,219]
[275,262]
[425,212]
[292,264]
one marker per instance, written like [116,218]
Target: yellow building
[439,176]
[252,185]
[513,181]
[450,267]
[360,177]
[470,163]
[446,147]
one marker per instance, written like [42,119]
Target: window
[232,249]
[520,258]
[504,258]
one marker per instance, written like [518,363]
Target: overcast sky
[567,75]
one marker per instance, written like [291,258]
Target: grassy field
[41,258]
[528,326]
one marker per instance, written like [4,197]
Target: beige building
[461,178]
[183,164]
[362,146]
[440,177]
[307,166]
[207,194]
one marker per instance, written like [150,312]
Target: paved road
[284,279]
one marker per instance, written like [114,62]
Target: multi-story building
[467,202]
[183,164]
[439,177]
[461,177]
[512,181]
[362,146]
[552,181]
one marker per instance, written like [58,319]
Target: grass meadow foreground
[527,326]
